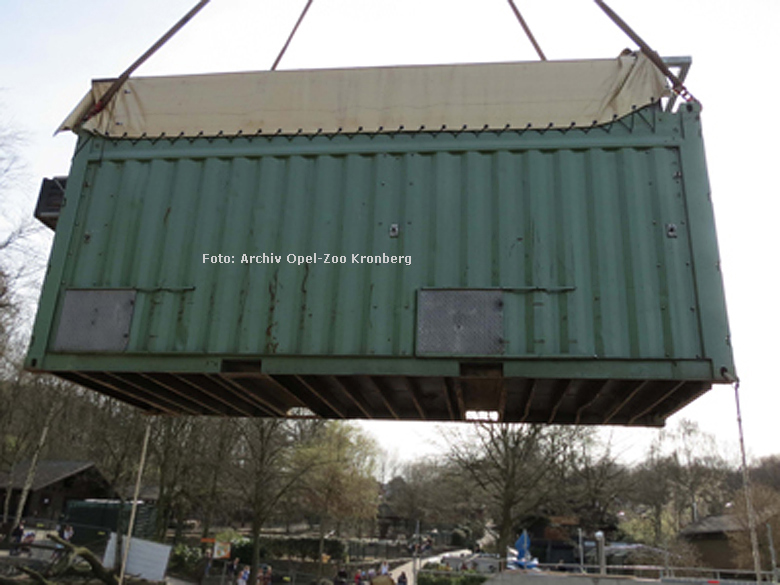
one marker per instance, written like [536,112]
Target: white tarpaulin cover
[146,559]
[369,99]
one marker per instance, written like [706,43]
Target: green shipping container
[564,272]
[94,520]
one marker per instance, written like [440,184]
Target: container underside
[485,395]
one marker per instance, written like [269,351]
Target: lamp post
[601,552]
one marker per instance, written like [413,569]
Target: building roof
[148,493]
[714,525]
[46,473]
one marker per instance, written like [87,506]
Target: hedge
[293,548]
[455,579]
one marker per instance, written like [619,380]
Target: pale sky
[51,49]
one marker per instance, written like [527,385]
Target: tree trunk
[320,566]
[168,516]
[8,493]
[164,501]
[657,523]
[163,517]
[255,550]
[212,497]
[34,464]
[121,528]
[223,449]
[505,529]
[178,533]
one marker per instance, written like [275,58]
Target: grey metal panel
[95,320]
[460,322]
[146,559]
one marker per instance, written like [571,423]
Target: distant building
[710,537]
[54,484]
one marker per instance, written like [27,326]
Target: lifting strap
[101,103]
[114,87]
[527,30]
[677,84]
[292,34]
[519,17]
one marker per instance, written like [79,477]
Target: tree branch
[105,575]
[36,576]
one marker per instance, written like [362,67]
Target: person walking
[243,577]
[17,534]
[234,570]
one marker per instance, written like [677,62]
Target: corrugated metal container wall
[561,275]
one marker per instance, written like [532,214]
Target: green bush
[336,549]
[229,535]
[433,579]
[454,579]
[185,560]
[461,536]
[293,548]
[243,550]
[472,579]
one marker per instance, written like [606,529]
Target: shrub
[461,536]
[454,579]
[294,548]
[185,559]
[472,580]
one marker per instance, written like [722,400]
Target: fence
[92,537]
[376,549]
[667,574]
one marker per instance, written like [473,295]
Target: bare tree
[264,472]
[651,495]
[10,307]
[221,438]
[173,441]
[16,436]
[767,472]
[593,483]
[11,164]
[29,406]
[698,473]
[766,506]
[24,425]
[512,464]
[36,452]
[21,267]
[683,478]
